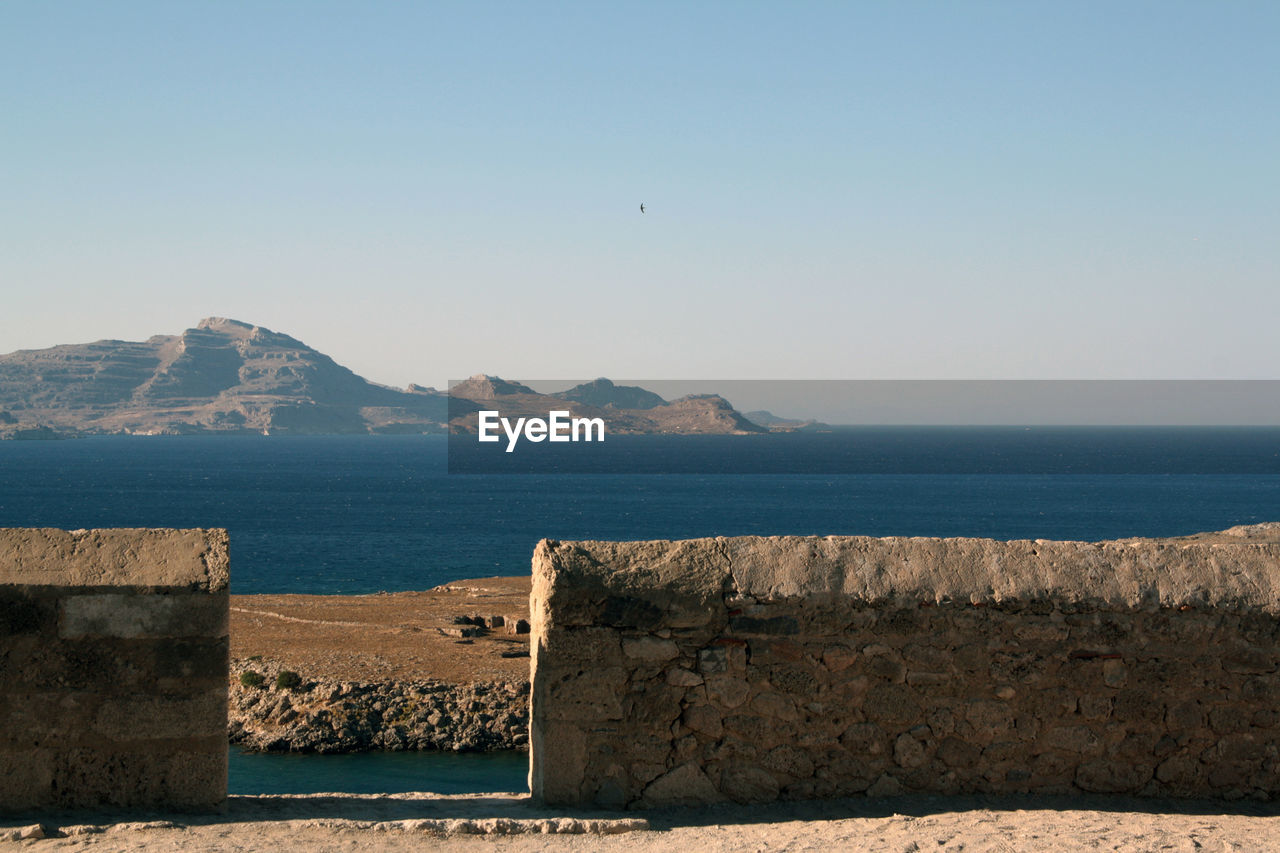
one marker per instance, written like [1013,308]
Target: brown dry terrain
[388,636]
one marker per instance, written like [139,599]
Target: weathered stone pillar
[113,668]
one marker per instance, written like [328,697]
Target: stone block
[838,658]
[1095,706]
[703,719]
[462,631]
[1113,777]
[929,657]
[714,660]
[41,719]
[26,777]
[575,646]
[887,668]
[779,650]
[775,705]
[795,679]
[755,729]
[558,763]
[629,612]
[788,761]
[745,783]
[988,717]
[192,560]
[954,752]
[191,659]
[1186,716]
[893,704]
[681,677]
[650,649]
[725,654]
[1114,673]
[770,625]
[26,613]
[1078,739]
[686,785]
[132,616]
[140,718]
[1178,770]
[186,779]
[908,752]
[933,679]
[885,786]
[1250,661]
[657,703]
[726,690]
[585,694]
[865,739]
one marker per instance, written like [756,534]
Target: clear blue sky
[834,190]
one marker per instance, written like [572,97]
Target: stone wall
[754,669]
[113,661]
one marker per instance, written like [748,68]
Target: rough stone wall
[754,669]
[113,662]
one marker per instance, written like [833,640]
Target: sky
[853,190]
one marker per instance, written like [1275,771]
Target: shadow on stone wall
[113,657]
[757,669]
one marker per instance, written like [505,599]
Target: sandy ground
[398,636]
[902,825]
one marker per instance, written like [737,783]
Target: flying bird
[642,207]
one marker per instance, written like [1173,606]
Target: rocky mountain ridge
[695,414]
[227,376]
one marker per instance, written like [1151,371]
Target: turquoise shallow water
[378,773]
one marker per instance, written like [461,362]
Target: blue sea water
[354,514]
[345,514]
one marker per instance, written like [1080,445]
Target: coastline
[396,672]
[323,715]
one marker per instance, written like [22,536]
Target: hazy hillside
[604,394]
[228,376]
[223,375]
[695,414]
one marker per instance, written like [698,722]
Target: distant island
[226,376]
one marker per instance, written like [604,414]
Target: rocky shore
[327,716]
[442,669]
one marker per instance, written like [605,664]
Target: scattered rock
[34,831]
[337,717]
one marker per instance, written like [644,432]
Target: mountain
[484,387]
[221,376]
[777,424]
[703,413]
[228,376]
[603,394]
[695,414]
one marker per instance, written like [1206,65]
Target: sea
[363,514]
